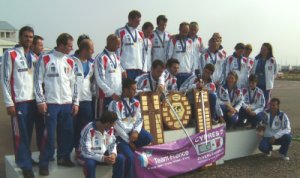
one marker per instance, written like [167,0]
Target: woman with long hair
[265,68]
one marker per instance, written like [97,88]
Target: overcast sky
[252,21]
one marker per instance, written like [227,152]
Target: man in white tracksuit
[131,50]
[84,69]
[17,82]
[160,39]
[180,47]
[147,46]
[108,75]
[58,100]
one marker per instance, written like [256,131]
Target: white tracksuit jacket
[160,42]
[271,71]
[85,84]
[218,59]
[224,97]
[170,81]
[128,120]
[56,71]
[131,51]
[254,99]
[280,125]
[108,73]
[147,47]
[182,50]
[17,77]
[145,83]
[94,144]
[198,49]
[242,70]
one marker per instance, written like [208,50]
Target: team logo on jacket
[52,71]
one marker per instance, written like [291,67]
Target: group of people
[92,104]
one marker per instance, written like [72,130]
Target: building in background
[7,31]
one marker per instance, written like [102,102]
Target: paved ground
[253,166]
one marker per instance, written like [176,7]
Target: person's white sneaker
[286,158]
[269,154]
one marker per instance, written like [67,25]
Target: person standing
[277,130]
[265,68]
[215,55]
[160,39]
[84,69]
[108,74]
[198,46]
[147,46]
[131,49]
[58,100]
[180,47]
[17,82]
[246,54]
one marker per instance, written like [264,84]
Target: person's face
[135,22]
[26,39]
[239,52]
[184,31]
[274,106]
[162,25]
[264,51]
[90,51]
[174,69]
[69,47]
[131,91]
[38,47]
[231,80]
[156,72]
[247,52]
[252,84]
[148,32]
[206,73]
[193,31]
[213,44]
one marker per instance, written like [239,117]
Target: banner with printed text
[180,156]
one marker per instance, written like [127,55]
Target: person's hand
[115,97]
[113,158]
[221,120]
[75,109]
[160,88]
[109,159]
[134,136]
[252,113]
[42,108]
[272,140]
[11,110]
[124,74]
[132,146]
[248,109]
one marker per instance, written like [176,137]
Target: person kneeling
[277,130]
[129,131]
[98,145]
[252,109]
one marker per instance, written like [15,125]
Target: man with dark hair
[98,145]
[151,81]
[37,45]
[203,82]
[131,49]
[198,46]
[169,75]
[84,69]
[253,104]
[58,100]
[129,131]
[108,74]
[277,130]
[17,82]
[181,47]
[81,38]
[160,39]
[147,46]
